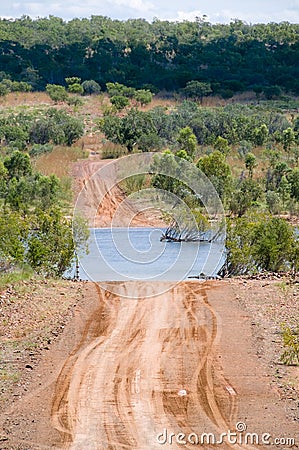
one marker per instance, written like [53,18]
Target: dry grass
[59,161]
[25,98]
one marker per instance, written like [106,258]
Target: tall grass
[112,151]
[59,161]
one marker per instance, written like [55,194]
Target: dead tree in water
[184,233]
[191,232]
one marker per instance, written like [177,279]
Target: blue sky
[251,11]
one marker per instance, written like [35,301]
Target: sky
[217,11]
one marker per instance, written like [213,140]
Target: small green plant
[133,184]
[16,275]
[284,287]
[6,375]
[290,337]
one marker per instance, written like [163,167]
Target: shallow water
[138,254]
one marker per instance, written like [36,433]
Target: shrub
[119,101]
[76,88]
[3,89]
[290,338]
[56,92]
[143,96]
[57,127]
[256,243]
[91,87]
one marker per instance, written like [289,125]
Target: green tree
[120,89]
[4,90]
[91,87]
[245,196]
[46,189]
[13,234]
[261,134]
[119,102]
[221,144]
[284,190]
[56,92]
[165,163]
[188,141]
[143,96]
[239,240]
[215,167]
[21,86]
[73,129]
[288,138]
[257,243]
[250,163]
[273,202]
[293,178]
[15,136]
[197,89]
[128,130]
[76,88]
[70,81]
[50,249]
[273,243]
[18,165]
[272,92]
[3,179]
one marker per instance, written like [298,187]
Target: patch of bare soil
[272,303]
[33,315]
[156,357]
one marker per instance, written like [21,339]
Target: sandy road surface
[123,388]
[100,197]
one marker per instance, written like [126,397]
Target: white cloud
[188,15]
[225,16]
[137,5]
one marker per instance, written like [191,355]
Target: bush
[91,87]
[70,81]
[256,243]
[75,88]
[39,149]
[50,249]
[143,96]
[15,136]
[21,86]
[120,89]
[75,101]
[290,338]
[73,129]
[119,101]
[57,127]
[56,92]
[3,89]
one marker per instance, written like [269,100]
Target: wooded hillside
[161,55]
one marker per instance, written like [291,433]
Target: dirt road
[99,197]
[178,362]
[154,366]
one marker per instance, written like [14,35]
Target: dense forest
[160,55]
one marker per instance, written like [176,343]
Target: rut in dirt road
[121,387]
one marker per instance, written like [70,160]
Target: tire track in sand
[122,386]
